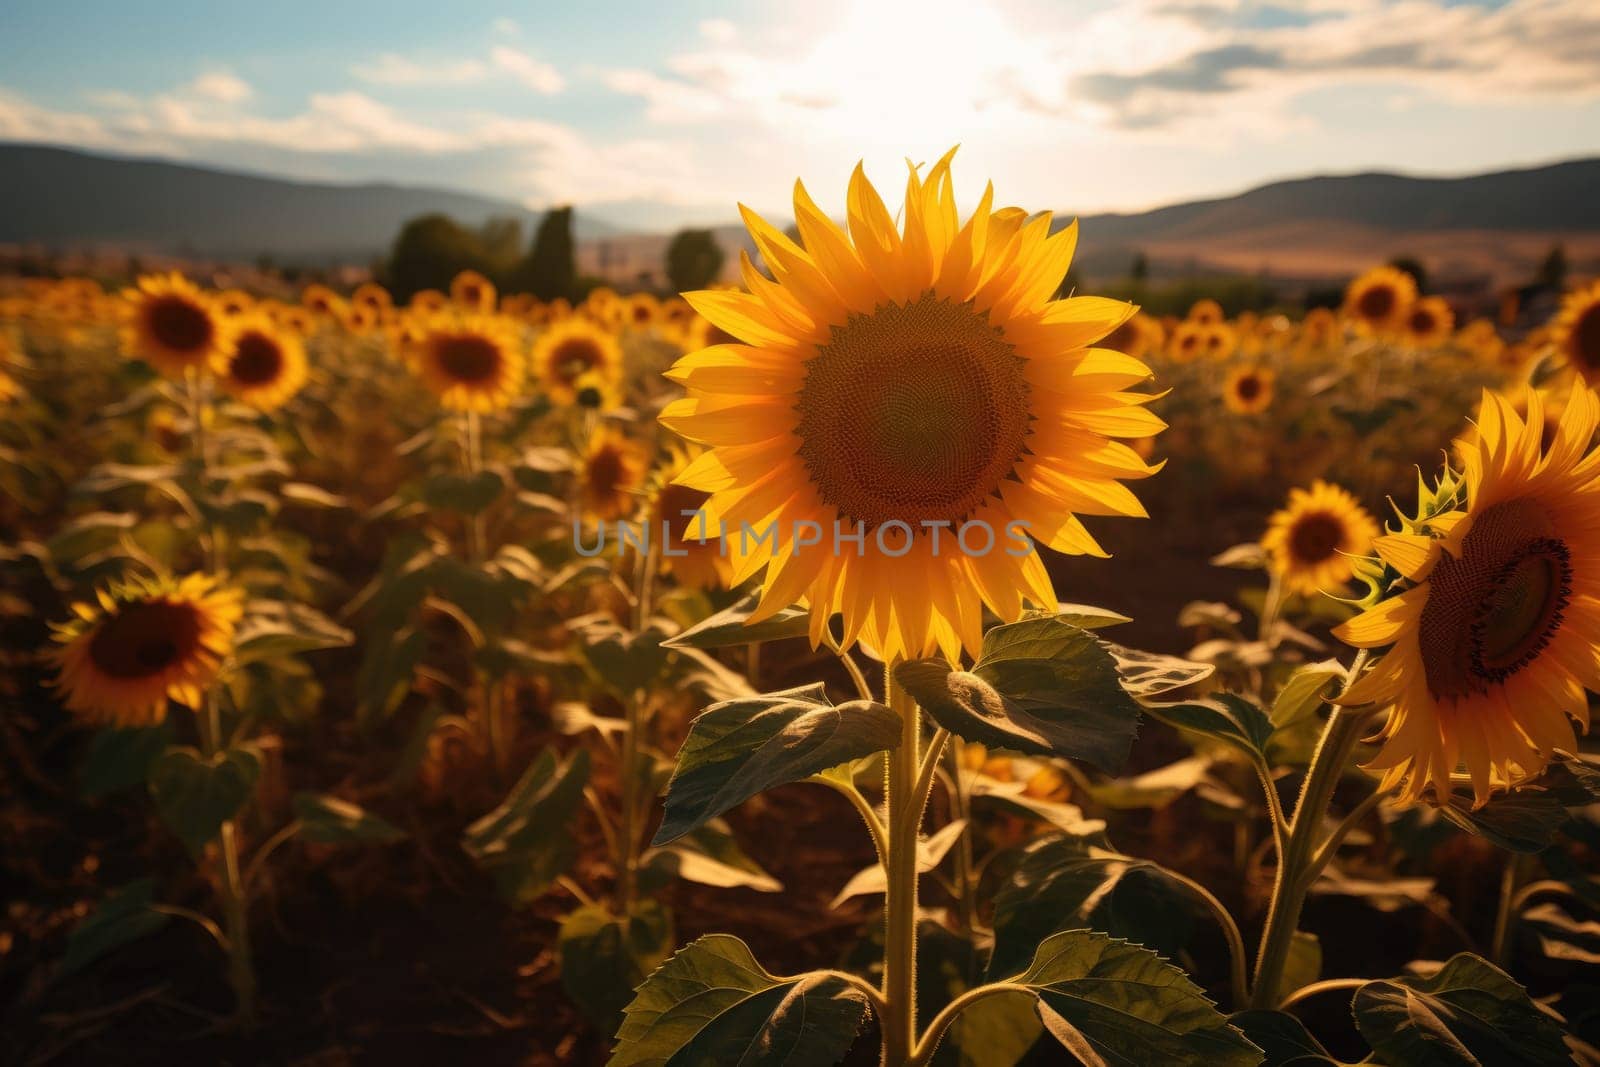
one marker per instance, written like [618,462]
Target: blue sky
[673,112]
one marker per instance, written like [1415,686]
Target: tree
[430,251]
[550,268]
[1139,271]
[1553,271]
[694,259]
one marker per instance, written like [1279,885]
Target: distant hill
[1324,226]
[65,199]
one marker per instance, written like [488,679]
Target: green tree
[550,268]
[694,259]
[430,251]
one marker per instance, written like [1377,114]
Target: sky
[675,112]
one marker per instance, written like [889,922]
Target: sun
[897,380]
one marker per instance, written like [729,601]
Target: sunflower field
[899,657]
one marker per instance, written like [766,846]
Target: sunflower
[1312,541]
[1248,390]
[471,361]
[1482,340]
[903,382]
[427,302]
[1187,341]
[691,552]
[1577,332]
[611,476]
[9,389]
[1429,322]
[1206,311]
[473,291]
[1380,299]
[1137,337]
[375,297]
[172,325]
[568,350]
[596,391]
[1219,341]
[320,300]
[234,302]
[143,643]
[297,320]
[360,319]
[1492,646]
[265,365]
[641,311]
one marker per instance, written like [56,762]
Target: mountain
[1325,226]
[62,198]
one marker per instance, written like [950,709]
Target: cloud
[540,77]
[396,70]
[221,86]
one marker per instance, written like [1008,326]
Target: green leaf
[465,494]
[625,661]
[1304,964]
[88,534]
[709,855]
[331,821]
[931,851]
[1040,686]
[1284,1039]
[122,917]
[1111,1002]
[526,843]
[311,495]
[1246,557]
[1469,1014]
[729,627]
[274,629]
[712,1005]
[1089,617]
[1296,724]
[1225,717]
[121,756]
[739,748]
[195,796]
[605,956]
[1062,883]
[1524,820]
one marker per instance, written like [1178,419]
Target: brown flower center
[1122,338]
[1422,321]
[605,470]
[911,412]
[1493,609]
[1247,387]
[1315,537]
[145,638]
[685,529]
[1376,303]
[468,358]
[573,357]
[179,323]
[1585,339]
[257,359]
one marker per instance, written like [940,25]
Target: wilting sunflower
[1313,541]
[611,476]
[1491,648]
[471,362]
[144,643]
[692,552]
[1380,299]
[264,366]
[1429,322]
[473,291]
[1248,390]
[903,382]
[568,350]
[1577,332]
[172,325]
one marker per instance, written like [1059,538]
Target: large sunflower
[265,365]
[909,383]
[1577,332]
[471,362]
[1492,646]
[568,350]
[144,643]
[691,550]
[171,325]
[1380,299]
[1313,540]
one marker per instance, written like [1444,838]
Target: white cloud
[718,31]
[221,86]
[392,69]
[540,77]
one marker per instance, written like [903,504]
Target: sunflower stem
[636,715]
[1506,911]
[906,792]
[1297,864]
[235,920]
